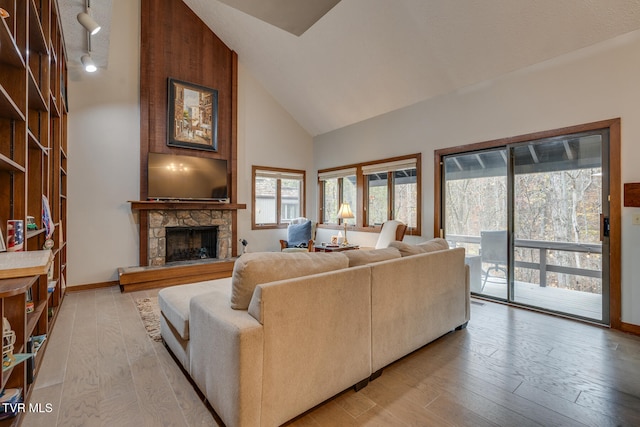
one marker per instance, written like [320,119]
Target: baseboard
[630,328]
[90,286]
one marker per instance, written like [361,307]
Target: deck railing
[543,248]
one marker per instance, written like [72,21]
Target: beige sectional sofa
[290,330]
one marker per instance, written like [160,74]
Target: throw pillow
[298,235]
[432,245]
[256,268]
[406,249]
[363,257]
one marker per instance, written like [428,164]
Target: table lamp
[344,213]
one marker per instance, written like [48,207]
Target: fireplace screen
[191,243]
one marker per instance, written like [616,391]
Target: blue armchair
[300,236]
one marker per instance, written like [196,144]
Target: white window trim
[342,173]
[389,166]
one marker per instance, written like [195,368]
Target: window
[337,187]
[405,192]
[392,189]
[291,189]
[377,192]
[266,200]
[349,195]
[330,191]
[278,196]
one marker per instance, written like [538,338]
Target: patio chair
[493,250]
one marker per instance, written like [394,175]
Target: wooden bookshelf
[33,164]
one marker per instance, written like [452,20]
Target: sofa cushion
[367,257]
[298,235]
[253,269]
[174,301]
[432,245]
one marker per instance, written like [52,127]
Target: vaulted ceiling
[363,58]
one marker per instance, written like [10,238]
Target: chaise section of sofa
[174,308]
[226,359]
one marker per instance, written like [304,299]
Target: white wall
[593,84]
[596,83]
[267,136]
[104,157]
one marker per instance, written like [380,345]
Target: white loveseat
[302,340]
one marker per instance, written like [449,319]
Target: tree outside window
[349,195]
[378,189]
[405,192]
[330,205]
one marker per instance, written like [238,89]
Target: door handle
[605,227]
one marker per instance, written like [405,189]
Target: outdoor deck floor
[583,304]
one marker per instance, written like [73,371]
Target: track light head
[88,64]
[88,23]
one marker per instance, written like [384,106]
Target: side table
[338,248]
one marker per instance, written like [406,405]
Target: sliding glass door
[558,193]
[476,215]
[533,217]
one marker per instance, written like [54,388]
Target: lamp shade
[88,23]
[88,64]
[345,211]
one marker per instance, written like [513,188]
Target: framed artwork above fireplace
[192,116]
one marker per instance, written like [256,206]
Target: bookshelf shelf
[9,52]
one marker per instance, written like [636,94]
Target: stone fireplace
[191,224]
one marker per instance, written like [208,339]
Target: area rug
[150,315]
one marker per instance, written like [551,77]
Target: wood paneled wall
[176,43]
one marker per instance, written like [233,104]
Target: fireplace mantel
[150,205]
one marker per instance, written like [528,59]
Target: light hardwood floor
[510,367]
